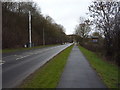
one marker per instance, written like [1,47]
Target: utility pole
[30,37]
[43,37]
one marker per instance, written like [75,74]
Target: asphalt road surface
[17,66]
[78,73]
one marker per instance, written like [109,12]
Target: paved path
[78,73]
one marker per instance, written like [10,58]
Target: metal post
[30,37]
[43,37]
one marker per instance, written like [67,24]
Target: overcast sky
[65,12]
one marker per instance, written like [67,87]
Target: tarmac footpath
[78,73]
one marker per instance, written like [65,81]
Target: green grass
[19,49]
[48,76]
[107,72]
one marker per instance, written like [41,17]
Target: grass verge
[19,49]
[48,75]
[108,72]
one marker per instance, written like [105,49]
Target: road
[17,66]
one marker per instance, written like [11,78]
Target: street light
[30,37]
[43,37]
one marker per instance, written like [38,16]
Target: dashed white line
[22,57]
[2,62]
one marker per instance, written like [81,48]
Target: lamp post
[43,37]
[30,36]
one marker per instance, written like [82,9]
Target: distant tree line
[106,18]
[15,26]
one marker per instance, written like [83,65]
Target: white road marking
[22,57]
[31,53]
[2,62]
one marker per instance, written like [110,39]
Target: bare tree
[83,28]
[104,14]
